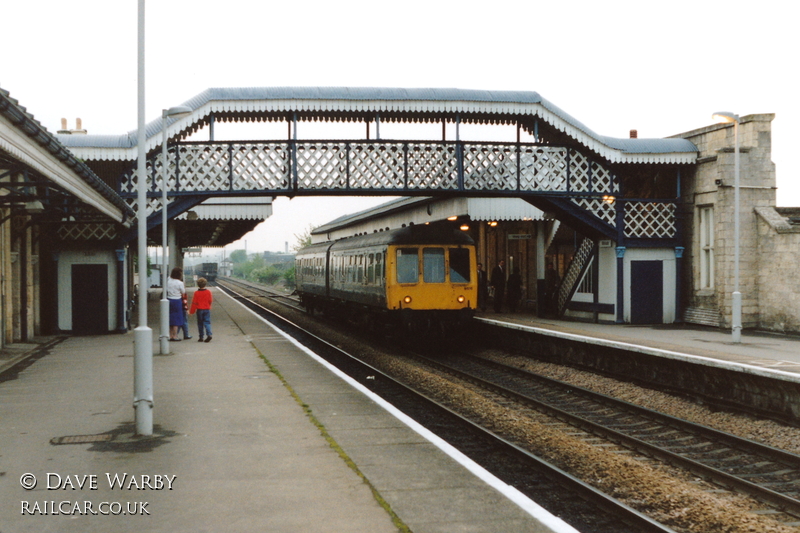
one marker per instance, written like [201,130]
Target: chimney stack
[79,127]
[64,130]
[634,134]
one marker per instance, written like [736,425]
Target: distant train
[423,277]
[207,270]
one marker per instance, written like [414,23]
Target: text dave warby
[123,481]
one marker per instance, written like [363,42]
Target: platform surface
[237,446]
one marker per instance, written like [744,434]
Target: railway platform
[759,375]
[251,434]
[771,352]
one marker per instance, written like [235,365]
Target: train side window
[459,265]
[407,265]
[433,265]
[371,269]
[379,274]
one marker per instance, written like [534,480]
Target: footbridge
[626,189]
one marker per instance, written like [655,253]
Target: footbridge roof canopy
[387,104]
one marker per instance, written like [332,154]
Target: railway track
[770,475]
[588,509]
[256,288]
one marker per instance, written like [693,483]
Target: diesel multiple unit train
[208,271]
[423,277]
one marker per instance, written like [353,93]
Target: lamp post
[143,335]
[736,311]
[173,112]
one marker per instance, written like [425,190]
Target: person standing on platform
[175,293]
[498,282]
[514,290]
[483,288]
[201,305]
[185,326]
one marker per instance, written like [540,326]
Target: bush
[289,279]
[267,275]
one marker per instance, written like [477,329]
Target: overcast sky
[660,68]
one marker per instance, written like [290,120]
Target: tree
[303,239]
[238,256]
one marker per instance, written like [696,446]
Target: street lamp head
[179,111]
[725,116]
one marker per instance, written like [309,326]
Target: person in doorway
[201,306]
[514,290]
[551,283]
[175,293]
[483,288]
[498,282]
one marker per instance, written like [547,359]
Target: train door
[647,292]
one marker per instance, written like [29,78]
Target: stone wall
[779,253]
[712,185]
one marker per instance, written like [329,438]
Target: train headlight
[407,299]
[461,299]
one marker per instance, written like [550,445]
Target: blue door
[647,292]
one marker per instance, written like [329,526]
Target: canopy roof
[25,143]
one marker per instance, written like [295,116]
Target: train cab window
[433,265]
[407,265]
[459,265]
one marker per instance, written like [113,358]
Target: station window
[459,265]
[433,265]
[706,247]
[407,265]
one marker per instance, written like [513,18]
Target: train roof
[414,234]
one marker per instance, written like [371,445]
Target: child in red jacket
[201,305]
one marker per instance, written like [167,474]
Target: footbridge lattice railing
[402,168]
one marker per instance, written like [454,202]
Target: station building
[66,261]
[67,266]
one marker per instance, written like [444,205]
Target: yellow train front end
[432,283]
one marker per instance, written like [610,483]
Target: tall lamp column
[143,335]
[174,112]
[736,310]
